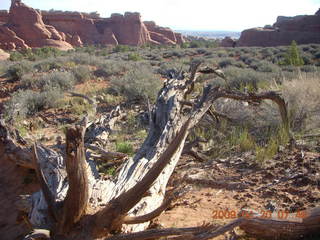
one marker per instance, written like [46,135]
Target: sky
[228,15]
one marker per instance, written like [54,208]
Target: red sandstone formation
[180,38]
[9,40]
[228,42]
[163,35]
[28,25]
[303,29]
[24,27]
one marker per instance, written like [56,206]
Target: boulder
[228,42]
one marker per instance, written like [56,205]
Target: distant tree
[293,56]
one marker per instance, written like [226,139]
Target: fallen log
[85,206]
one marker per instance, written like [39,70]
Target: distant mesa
[24,27]
[304,29]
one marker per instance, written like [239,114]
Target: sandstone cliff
[23,27]
[303,29]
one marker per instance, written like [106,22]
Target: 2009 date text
[265,214]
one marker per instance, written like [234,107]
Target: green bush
[35,54]
[16,56]
[53,80]
[245,78]
[47,65]
[16,71]
[293,56]
[81,73]
[122,48]
[86,59]
[138,83]
[227,62]
[27,103]
[265,66]
[134,57]
[124,147]
[111,67]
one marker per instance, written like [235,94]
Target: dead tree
[75,203]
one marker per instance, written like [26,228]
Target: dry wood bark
[75,203]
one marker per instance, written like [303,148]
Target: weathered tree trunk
[75,203]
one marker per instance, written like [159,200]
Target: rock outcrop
[228,42]
[24,27]
[303,29]
[163,35]
[4,55]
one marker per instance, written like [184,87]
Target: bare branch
[148,217]
[219,231]
[74,94]
[38,233]
[106,154]
[257,98]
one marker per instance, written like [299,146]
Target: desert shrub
[16,71]
[86,59]
[54,80]
[265,66]
[248,59]
[309,68]
[227,62]
[27,103]
[46,52]
[16,56]
[81,73]
[78,106]
[222,53]
[202,51]
[111,67]
[173,53]
[121,48]
[134,57]
[245,78]
[47,65]
[138,83]
[302,95]
[266,52]
[289,68]
[35,54]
